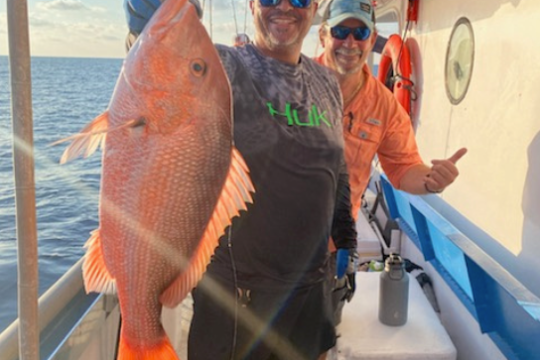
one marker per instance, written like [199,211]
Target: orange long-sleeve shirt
[376,124]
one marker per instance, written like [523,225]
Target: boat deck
[363,337]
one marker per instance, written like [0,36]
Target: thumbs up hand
[443,172]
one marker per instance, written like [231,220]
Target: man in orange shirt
[374,122]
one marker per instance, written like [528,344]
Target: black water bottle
[394,292]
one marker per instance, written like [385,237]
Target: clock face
[459,61]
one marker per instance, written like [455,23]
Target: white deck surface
[364,337]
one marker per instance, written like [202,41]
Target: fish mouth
[168,15]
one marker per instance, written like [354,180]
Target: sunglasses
[300,4]
[360,33]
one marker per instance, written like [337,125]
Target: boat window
[459,61]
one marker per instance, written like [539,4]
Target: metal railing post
[23,168]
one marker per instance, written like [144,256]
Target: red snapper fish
[171,177]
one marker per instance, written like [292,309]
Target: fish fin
[235,194]
[163,350]
[97,277]
[86,142]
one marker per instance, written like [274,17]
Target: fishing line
[234,16]
[210,19]
[233,264]
[245,16]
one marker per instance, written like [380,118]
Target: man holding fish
[262,295]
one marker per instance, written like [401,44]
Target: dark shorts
[284,325]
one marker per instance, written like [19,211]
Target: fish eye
[198,67]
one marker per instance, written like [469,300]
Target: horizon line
[70,56]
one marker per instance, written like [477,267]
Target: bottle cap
[395,266]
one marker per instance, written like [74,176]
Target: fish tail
[162,350]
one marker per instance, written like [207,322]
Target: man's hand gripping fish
[171,177]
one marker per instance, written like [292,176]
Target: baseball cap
[341,10]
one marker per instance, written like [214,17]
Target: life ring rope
[396,57]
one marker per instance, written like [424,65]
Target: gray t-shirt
[287,126]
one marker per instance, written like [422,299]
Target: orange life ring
[401,70]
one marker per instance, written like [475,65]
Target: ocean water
[67,93]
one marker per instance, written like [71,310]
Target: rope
[210,18]
[203,7]
[234,15]
[398,75]
[245,16]
[403,38]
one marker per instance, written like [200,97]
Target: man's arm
[343,225]
[421,179]
[344,235]
[138,13]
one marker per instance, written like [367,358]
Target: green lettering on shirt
[314,116]
[318,116]
[287,112]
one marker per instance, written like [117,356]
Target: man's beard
[272,41]
[341,69]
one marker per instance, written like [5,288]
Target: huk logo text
[315,117]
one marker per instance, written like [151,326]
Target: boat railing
[505,309]
[72,324]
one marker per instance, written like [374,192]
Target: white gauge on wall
[459,60]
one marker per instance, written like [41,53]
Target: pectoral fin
[93,135]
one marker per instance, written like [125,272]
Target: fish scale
[171,177]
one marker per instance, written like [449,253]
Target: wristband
[432,191]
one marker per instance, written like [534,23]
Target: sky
[97,28]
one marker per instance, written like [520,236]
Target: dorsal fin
[234,196]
